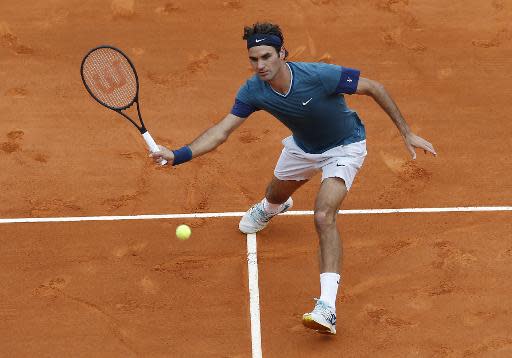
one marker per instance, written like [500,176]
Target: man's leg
[278,191]
[329,199]
[277,200]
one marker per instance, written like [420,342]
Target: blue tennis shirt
[314,108]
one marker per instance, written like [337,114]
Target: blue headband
[264,39]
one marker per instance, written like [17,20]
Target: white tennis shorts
[340,162]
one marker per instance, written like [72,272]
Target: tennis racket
[110,78]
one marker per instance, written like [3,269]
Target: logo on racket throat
[112,76]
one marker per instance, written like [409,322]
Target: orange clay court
[415,284]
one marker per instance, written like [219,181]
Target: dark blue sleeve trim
[242,110]
[182,155]
[348,81]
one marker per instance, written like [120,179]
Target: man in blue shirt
[327,137]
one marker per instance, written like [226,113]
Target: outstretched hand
[163,153]
[413,141]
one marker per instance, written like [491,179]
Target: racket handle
[152,145]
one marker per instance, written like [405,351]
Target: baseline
[239,214]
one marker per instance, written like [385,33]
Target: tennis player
[327,137]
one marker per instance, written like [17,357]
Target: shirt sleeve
[338,79]
[242,107]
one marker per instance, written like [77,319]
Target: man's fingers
[426,146]
[414,141]
[412,151]
[431,149]
[157,156]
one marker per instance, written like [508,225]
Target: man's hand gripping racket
[110,78]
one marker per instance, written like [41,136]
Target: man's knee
[324,218]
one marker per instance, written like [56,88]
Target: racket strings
[110,78]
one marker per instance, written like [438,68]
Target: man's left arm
[381,96]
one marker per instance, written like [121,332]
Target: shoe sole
[246,231]
[310,323]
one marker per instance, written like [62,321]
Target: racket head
[110,77]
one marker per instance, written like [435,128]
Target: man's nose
[261,65]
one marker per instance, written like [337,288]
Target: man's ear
[282,53]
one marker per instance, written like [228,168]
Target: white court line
[238,214]
[254,295]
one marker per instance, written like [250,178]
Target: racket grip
[152,145]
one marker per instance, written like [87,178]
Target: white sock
[269,207]
[329,282]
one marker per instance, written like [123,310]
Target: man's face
[265,61]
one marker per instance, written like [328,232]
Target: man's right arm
[207,141]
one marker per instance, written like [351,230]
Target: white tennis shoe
[256,218]
[322,319]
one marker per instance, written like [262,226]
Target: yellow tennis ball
[183,232]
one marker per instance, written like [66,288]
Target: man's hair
[265,28]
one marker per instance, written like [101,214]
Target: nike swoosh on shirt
[304,103]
